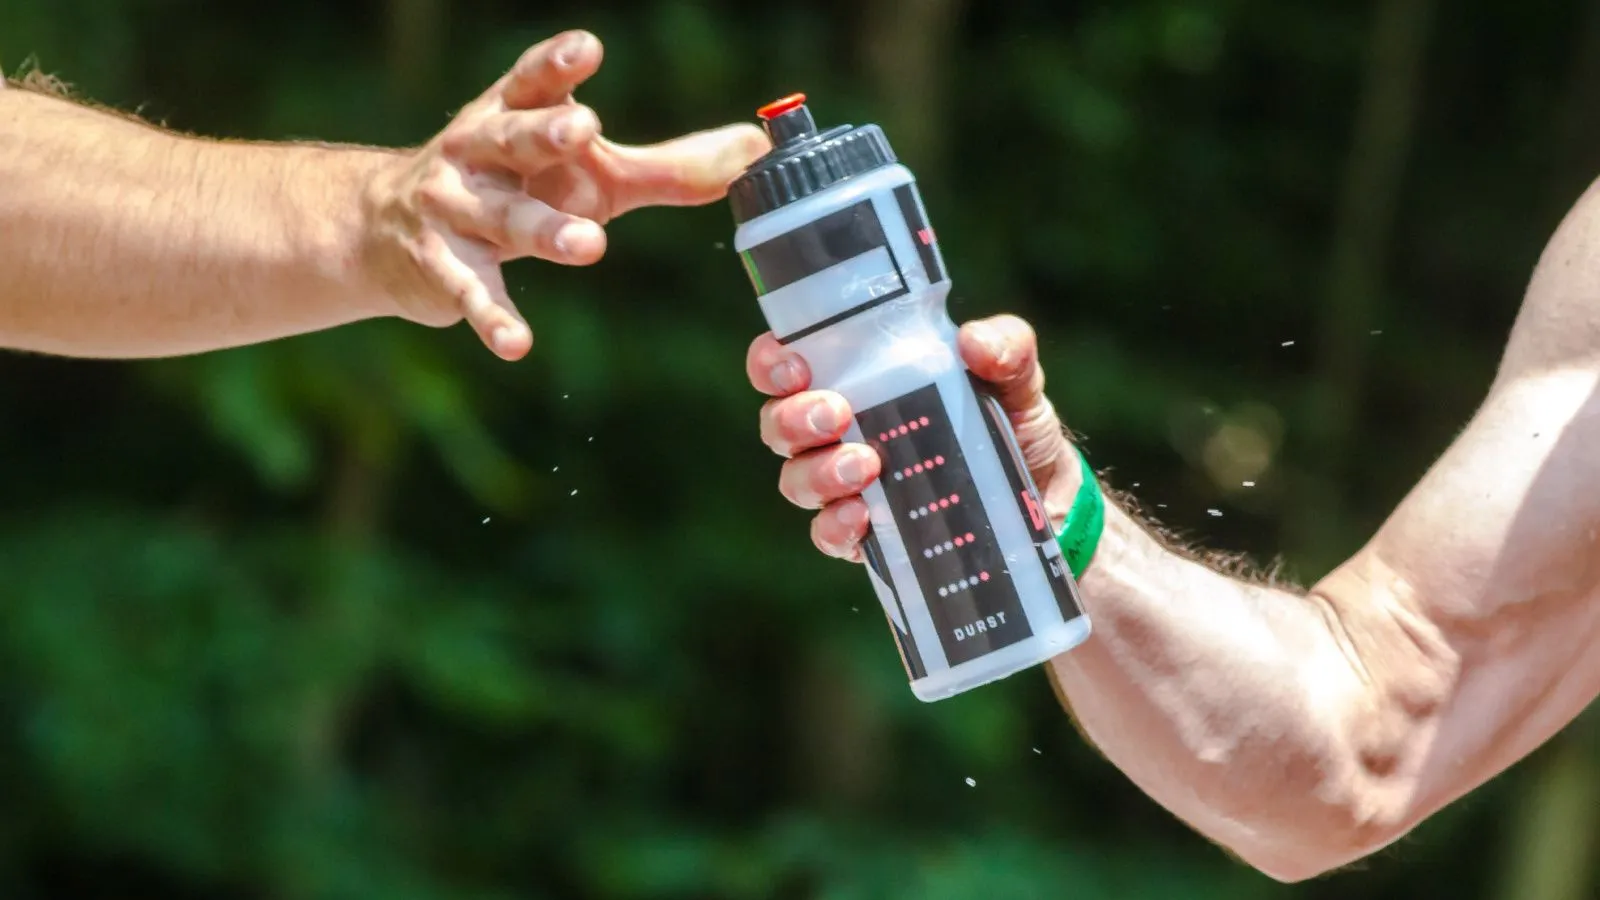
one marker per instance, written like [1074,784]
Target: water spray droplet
[1287,344]
[574,493]
[485,520]
[1036,751]
[1249,483]
[972,782]
[1215,512]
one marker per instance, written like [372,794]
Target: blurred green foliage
[369,614]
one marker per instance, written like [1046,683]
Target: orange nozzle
[779,107]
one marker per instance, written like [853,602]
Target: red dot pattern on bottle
[903,429]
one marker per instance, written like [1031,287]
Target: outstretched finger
[517,225]
[467,271]
[549,71]
[524,141]
[689,171]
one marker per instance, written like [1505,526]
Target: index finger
[549,71]
[774,369]
[692,170]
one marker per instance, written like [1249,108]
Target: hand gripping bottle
[834,237]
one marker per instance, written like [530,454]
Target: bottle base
[1001,664]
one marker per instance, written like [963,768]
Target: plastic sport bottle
[834,237]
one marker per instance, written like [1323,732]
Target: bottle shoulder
[839,196]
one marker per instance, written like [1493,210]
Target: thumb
[1004,352]
[692,170]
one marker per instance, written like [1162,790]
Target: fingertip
[745,143]
[511,342]
[575,128]
[840,527]
[996,349]
[580,242]
[775,370]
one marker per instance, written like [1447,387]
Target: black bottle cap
[802,160]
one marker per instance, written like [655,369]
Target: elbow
[1310,835]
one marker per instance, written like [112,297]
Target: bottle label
[1026,493]
[961,570]
[922,236]
[844,257]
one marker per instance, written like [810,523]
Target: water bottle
[834,237]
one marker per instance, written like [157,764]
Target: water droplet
[1249,483]
[1136,484]
[555,468]
[485,520]
[591,438]
[1377,331]
[971,782]
[1215,512]
[1287,344]
[1036,750]
[855,609]
[1161,506]
[574,493]
[719,245]
[565,396]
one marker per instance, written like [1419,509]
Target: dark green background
[325,619]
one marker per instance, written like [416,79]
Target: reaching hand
[820,473]
[523,171]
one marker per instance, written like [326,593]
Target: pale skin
[122,240]
[1300,729]
[1303,730]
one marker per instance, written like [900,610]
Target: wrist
[1116,536]
[346,242]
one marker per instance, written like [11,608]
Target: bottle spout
[787,120]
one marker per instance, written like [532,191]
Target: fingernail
[988,337]
[561,241]
[824,418]
[501,338]
[561,131]
[786,377]
[851,469]
[570,48]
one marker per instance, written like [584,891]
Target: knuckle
[502,140]
[434,193]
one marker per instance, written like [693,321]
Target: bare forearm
[1240,707]
[121,240]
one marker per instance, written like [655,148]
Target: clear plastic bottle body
[960,555]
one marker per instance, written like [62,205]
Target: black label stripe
[922,236]
[856,310]
[963,575]
[909,654]
[835,238]
[1029,502]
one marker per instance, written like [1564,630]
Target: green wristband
[1080,534]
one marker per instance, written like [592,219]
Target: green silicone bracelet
[1080,534]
